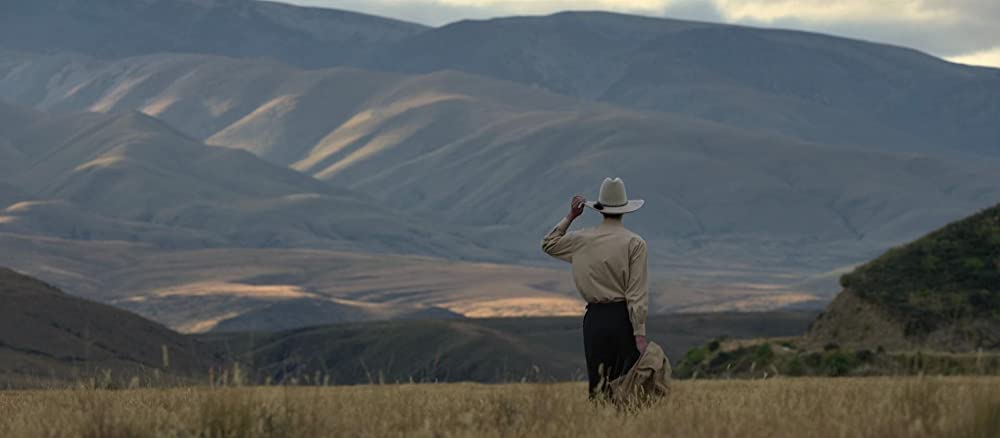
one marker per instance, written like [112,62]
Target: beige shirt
[609,264]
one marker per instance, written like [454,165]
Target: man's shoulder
[636,242]
[589,231]
[635,238]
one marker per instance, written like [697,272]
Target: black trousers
[608,343]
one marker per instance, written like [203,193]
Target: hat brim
[631,206]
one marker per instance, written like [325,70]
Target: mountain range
[229,131]
[377,133]
[815,87]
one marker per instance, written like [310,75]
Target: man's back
[609,265]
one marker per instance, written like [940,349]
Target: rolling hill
[390,352]
[481,350]
[930,307]
[941,291]
[47,336]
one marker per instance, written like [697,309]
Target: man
[609,268]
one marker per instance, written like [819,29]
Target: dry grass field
[871,407]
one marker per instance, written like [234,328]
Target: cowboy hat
[613,200]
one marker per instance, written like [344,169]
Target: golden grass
[875,407]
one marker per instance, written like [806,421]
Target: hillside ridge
[49,336]
[941,291]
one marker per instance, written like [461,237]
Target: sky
[966,31]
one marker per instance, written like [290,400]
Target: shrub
[814,360]
[763,353]
[794,368]
[714,345]
[721,359]
[864,355]
[695,355]
[837,364]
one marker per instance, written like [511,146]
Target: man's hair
[612,216]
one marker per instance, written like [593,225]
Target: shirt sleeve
[637,293]
[560,244]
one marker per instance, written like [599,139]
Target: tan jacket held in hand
[647,381]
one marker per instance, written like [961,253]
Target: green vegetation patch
[770,359]
[950,274]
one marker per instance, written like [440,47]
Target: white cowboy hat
[613,200]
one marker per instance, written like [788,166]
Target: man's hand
[575,207]
[641,343]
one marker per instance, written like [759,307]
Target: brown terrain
[48,336]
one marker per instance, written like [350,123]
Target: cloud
[699,10]
[941,27]
[955,29]
[986,57]
[439,12]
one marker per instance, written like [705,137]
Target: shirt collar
[613,225]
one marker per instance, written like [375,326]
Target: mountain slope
[46,334]
[135,170]
[67,220]
[811,86]
[456,146]
[940,291]
[10,194]
[116,28]
[448,351]
[815,87]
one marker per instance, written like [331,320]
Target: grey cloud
[699,10]
[974,28]
[940,40]
[427,12]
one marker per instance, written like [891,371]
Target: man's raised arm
[558,243]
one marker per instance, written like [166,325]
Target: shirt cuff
[562,226]
[639,330]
